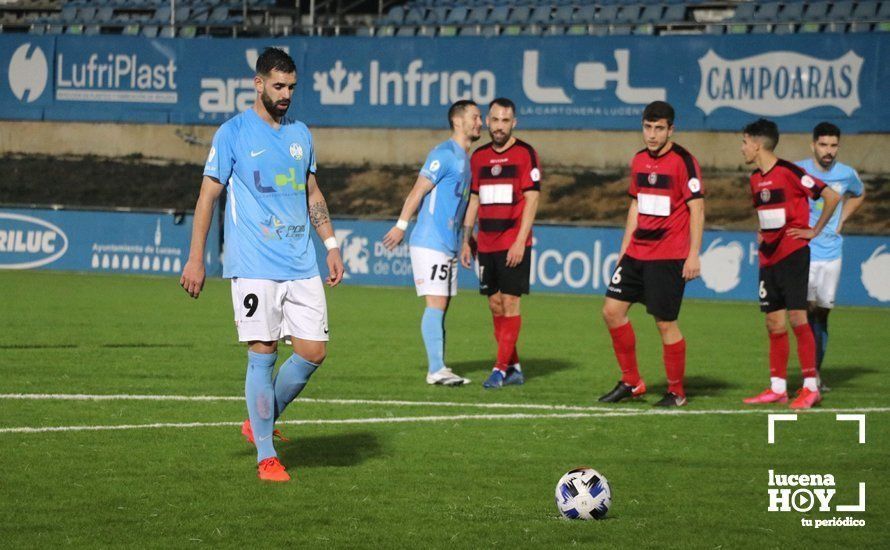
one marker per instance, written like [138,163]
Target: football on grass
[583,493]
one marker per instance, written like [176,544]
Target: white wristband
[331,243]
[402,224]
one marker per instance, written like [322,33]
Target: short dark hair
[274,59]
[764,128]
[503,102]
[826,129]
[457,109]
[658,110]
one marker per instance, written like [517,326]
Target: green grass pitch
[472,477]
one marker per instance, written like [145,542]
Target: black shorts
[657,283]
[784,285]
[495,276]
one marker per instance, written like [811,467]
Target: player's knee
[611,316]
[775,326]
[667,327]
[797,317]
[510,304]
[316,356]
[496,306]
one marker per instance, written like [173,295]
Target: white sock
[811,384]
[516,366]
[778,385]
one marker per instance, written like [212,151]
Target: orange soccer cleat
[767,396]
[271,469]
[806,398]
[247,432]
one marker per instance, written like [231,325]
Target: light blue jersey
[265,172]
[441,215]
[845,181]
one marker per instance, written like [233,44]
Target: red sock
[498,324]
[507,342]
[514,357]
[806,350]
[625,343]
[778,355]
[675,366]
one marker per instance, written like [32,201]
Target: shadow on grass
[336,450]
[696,386]
[532,367]
[840,376]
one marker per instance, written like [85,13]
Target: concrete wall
[591,149]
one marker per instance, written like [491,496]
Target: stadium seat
[744,13]
[628,14]
[477,15]
[406,30]
[810,27]
[219,14]
[652,13]
[167,32]
[607,14]
[68,14]
[791,12]
[540,15]
[555,30]
[520,15]
[563,14]
[92,30]
[675,13]
[842,10]
[457,15]
[363,31]
[644,29]
[436,16]
[860,26]
[585,14]
[884,11]
[469,31]
[86,15]
[817,11]
[55,29]
[784,28]
[131,30]
[715,29]
[489,31]
[767,12]
[150,31]
[395,16]
[761,28]
[415,16]
[74,29]
[499,15]
[865,11]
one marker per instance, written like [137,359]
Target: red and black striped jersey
[662,186]
[500,180]
[781,199]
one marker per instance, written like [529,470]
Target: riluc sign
[27,242]
[121,242]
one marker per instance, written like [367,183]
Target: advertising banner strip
[572,82]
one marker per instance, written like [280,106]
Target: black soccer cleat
[671,399]
[623,391]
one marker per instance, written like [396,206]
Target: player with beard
[265,161]
[505,190]
[827,248]
[440,193]
[659,254]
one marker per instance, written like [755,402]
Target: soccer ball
[583,493]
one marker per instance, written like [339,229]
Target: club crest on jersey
[434,166]
[211,154]
[807,182]
[536,175]
[764,195]
[296,151]
[652,179]
[496,170]
[694,185]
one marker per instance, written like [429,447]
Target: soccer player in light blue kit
[442,192]
[826,248]
[266,164]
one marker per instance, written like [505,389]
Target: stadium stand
[430,18]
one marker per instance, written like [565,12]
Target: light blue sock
[432,326]
[291,379]
[260,396]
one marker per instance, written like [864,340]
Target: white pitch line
[399,403]
[405,419]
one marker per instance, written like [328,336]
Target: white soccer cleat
[444,377]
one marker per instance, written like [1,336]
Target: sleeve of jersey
[220,160]
[694,189]
[531,177]
[812,187]
[632,189]
[312,168]
[434,167]
[856,187]
[474,175]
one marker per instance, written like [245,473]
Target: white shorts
[267,310]
[824,278]
[435,272]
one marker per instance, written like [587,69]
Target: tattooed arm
[321,221]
